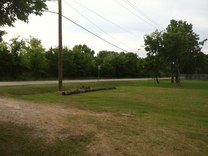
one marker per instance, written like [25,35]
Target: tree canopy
[180,43]
[28,59]
[154,62]
[178,46]
[12,10]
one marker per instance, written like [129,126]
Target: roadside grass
[149,118]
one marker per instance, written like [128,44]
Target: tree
[178,45]
[141,67]
[83,61]
[5,61]
[105,59]
[180,42]
[131,61]
[125,65]
[11,10]
[201,63]
[118,65]
[83,49]
[11,64]
[17,48]
[52,61]
[35,59]
[69,63]
[154,61]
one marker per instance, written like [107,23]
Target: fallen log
[78,91]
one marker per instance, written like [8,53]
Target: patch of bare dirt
[59,121]
[49,120]
[43,118]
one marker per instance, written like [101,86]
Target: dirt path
[60,121]
[47,119]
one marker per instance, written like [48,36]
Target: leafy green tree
[125,64]
[141,62]
[105,59]
[78,62]
[12,66]
[52,60]
[179,42]
[17,48]
[83,49]
[5,61]
[131,61]
[201,63]
[34,58]
[83,59]
[195,63]
[118,65]
[88,63]
[69,63]
[155,63]
[102,55]
[11,10]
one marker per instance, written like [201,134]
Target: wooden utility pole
[60,53]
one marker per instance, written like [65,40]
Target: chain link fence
[194,76]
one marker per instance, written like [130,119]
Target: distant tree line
[28,59]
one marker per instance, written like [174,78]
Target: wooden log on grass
[78,91]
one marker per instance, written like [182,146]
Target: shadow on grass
[18,140]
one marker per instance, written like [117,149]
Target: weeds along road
[22,83]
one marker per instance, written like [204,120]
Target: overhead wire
[142,13]
[90,21]
[106,19]
[82,27]
[136,15]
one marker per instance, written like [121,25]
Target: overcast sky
[121,24]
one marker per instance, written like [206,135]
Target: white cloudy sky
[128,29]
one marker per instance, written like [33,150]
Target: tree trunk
[157,80]
[172,73]
[178,81]
[172,78]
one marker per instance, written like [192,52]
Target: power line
[136,15]
[93,23]
[88,31]
[102,17]
[142,13]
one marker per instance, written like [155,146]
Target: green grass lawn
[166,119]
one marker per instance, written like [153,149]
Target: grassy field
[145,119]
